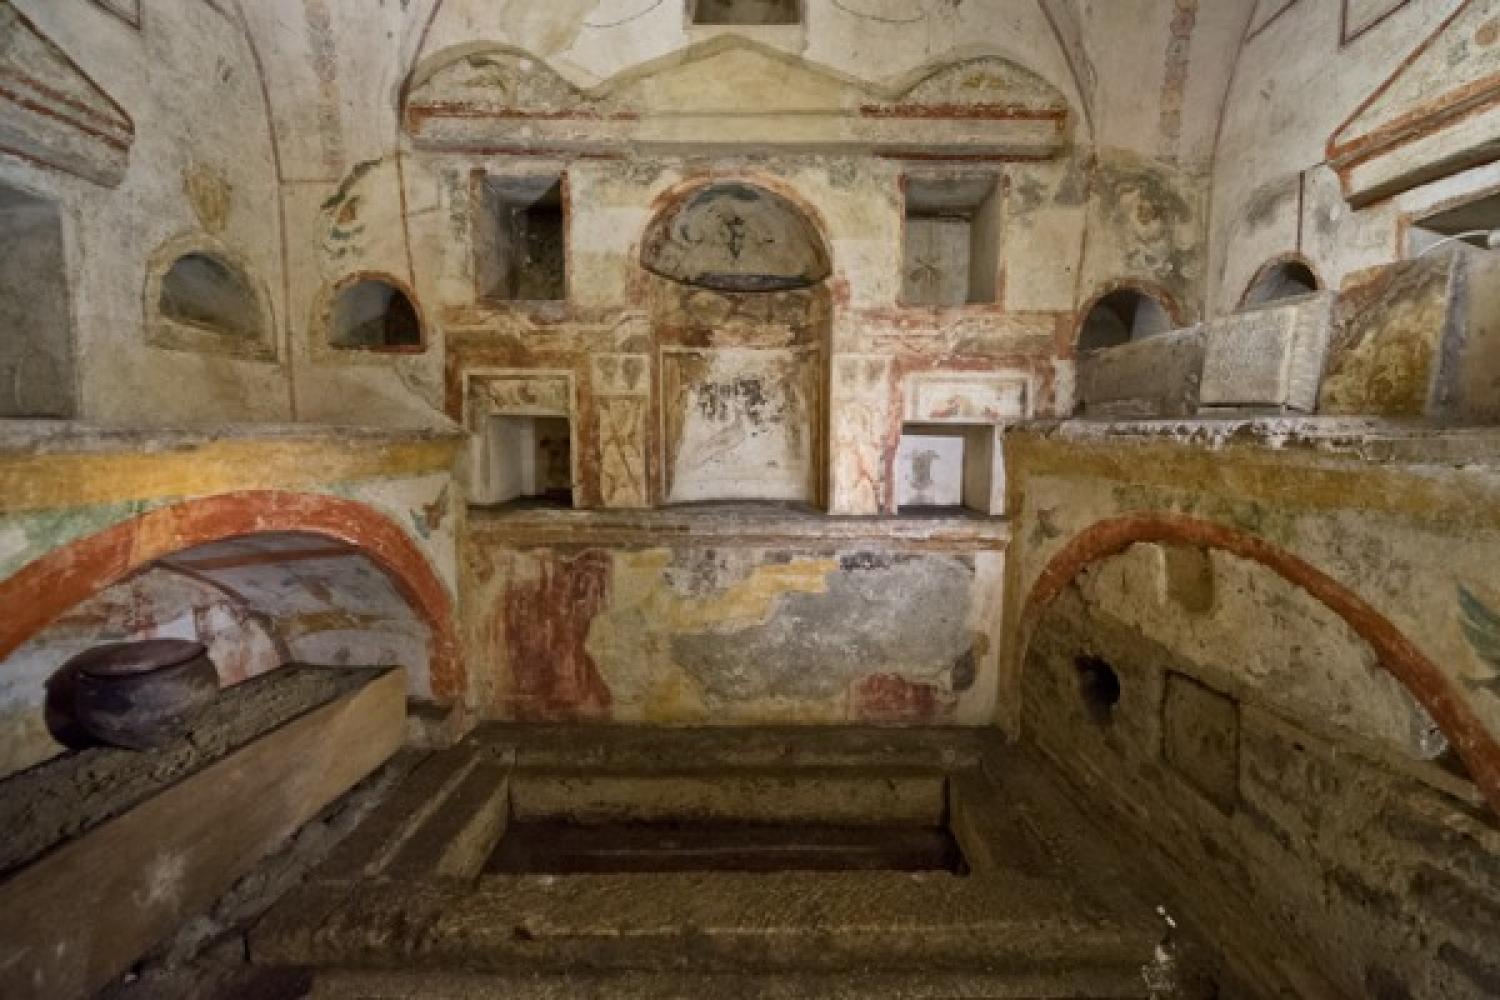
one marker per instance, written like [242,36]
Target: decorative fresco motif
[737,238]
[1482,628]
[740,425]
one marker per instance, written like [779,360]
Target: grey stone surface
[1155,377]
[1200,738]
[81,790]
[1268,358]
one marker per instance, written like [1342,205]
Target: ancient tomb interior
[654,499]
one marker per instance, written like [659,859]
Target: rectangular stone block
[1268,358]
[1200,738]
[1155,377]
[77,918]
[1420,339]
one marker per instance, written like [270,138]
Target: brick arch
[44,589]
[1470,737]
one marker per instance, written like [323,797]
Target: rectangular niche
[745,12]
[36,351]
[520,238]
[522,442]
[948,468]
[531,459]
[1469,222]
[951,245]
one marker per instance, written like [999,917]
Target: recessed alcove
[951,244]
[202,297]
[206,291]
[946,468]
[1279,280]
[524,447]
[373,314]
[1121,317]
[36,352]
[745,12]
[520,238]
[742,315]
[257,602]
[531,460]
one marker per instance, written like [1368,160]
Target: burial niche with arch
[1278,280]
[742,316]
[1122,316]
[202,297]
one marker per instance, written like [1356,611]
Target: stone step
[705,922]
[978,985]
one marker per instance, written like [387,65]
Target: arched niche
[1288,278]
[374,313]
[1121,316]
[736,237]
[276,561]
[200,296]
[208,292]
[742,317]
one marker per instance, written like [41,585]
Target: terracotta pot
[141,695]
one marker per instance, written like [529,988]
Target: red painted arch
[44,589]
[1465,730]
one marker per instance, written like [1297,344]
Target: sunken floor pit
[551,862]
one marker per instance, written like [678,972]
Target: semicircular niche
[735,237]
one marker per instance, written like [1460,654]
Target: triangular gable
[733,90]
[731,74]
[1434,116]
[53,113]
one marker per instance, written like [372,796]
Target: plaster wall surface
[1264,653]
[189,81]
[1398,528]
[732,618]
[1298,77]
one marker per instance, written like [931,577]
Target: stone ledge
[739,524]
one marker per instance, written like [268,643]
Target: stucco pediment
[53,113]
[1438,114]
[733,91]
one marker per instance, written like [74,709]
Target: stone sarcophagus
[1268,358]
[1420,339]
[1154,377]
